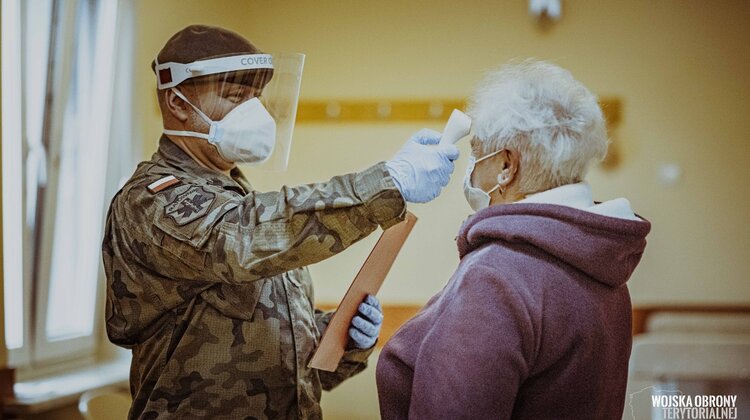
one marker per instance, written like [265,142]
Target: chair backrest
[698,322]
[105,404]
[677,355]
[690,354]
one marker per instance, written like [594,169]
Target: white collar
[579,196]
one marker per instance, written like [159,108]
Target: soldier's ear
[175,105]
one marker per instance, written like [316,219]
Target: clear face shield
[245,105]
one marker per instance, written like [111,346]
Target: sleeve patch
[190,205]
[162,184]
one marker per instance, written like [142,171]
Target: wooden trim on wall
[398,110]
[385,110]
[397,315]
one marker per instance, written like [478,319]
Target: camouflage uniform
[206,283]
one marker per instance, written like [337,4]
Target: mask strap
[488,156]
[204,116]
[212,126]
[187,134]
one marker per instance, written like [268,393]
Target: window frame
[101,27]
[13,150]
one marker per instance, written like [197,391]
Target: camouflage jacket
[206,283]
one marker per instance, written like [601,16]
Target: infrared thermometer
[458,127]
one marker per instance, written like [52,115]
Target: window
[58,87]
[15,232]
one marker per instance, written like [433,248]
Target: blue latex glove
[422,167]
[365,327]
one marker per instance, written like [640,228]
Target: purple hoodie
[534,324]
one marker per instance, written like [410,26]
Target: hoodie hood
[606,248]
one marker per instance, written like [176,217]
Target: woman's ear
[509,167]
[176,106]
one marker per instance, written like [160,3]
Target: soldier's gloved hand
[423,166]
[365,327]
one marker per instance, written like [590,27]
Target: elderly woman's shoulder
[490,273]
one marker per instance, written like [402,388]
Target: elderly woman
[535,322]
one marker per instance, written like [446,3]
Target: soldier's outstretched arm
[211,234]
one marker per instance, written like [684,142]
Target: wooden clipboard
[367,281]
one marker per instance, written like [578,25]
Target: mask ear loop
[212,127]
[202,115]
[488,156]
[498,186]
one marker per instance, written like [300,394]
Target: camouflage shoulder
[148,180]
[189,211]
[161,199]
[138,199]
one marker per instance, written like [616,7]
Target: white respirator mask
[478,198]
[247,134]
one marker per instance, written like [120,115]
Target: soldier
[206,278]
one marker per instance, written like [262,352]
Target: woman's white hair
[543,113]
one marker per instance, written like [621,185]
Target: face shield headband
[171,74]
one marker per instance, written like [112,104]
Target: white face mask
[247,134]
[478,199]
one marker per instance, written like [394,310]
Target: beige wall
[679,67]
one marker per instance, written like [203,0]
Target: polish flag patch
[162,184]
